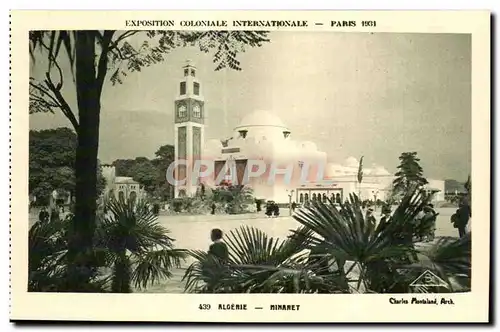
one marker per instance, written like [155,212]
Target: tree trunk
[80,251]
[121,275]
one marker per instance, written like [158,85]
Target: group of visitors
[424,226]
[272,209]
[385,219]
[54,215]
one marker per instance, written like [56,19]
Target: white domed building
[262,143]
[262,137]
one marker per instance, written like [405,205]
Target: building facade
[261,153]
[294,170]
[121,187]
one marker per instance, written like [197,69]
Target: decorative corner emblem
[429,279]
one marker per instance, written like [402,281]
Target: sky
[353,94]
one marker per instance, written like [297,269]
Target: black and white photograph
[388,118]
[267,159]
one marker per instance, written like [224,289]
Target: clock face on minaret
[189,104]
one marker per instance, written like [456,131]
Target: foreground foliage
[51,164]
[230,199]
[131,250]
[409,173]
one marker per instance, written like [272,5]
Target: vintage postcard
[250,166]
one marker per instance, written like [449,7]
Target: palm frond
[153,266]
[249,245]
[450,259]
[47,247]
[130,232]
[345,234]
[257,264]
[133,225]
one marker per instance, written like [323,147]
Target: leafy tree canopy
[151,174]
[51,162]
[117,56]
[409,173]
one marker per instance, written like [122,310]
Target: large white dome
[261,118]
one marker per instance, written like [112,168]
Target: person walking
[54,214]
[218,256]
[269,209]
[156,208]
[258,205]
[370,217]
[429,222]
[464,214]
[386,217]
[276,210]
[218,248]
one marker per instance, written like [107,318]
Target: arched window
[324,198]
[301,198]
[306,197]
[197,111]
[121,195]
[314,196]
[338,198]
[182,193]
[182,111]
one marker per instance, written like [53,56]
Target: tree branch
[102,66]
[58,98]
[120,55]
[121,37]
[44,92]
[43,101]
[53,61]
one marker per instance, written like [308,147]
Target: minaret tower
[189,129]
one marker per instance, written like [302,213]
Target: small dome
[333,169]
[379,171]
[261,118]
